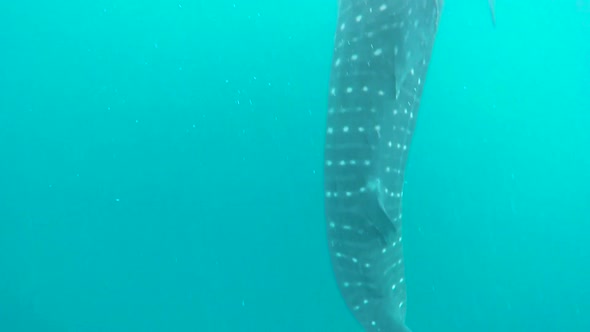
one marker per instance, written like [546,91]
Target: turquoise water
[161,168]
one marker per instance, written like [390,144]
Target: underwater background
[161,168]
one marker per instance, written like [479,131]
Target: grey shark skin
[381,55]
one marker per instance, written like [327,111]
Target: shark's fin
[376,215]
[492,4]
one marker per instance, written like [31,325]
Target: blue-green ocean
[161,168]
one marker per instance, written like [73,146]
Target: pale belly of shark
[381,55]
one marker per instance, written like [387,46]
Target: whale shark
[382,49]
[380,60]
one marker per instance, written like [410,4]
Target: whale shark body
[381,55]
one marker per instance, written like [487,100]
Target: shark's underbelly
[381,55]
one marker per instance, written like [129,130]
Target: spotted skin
[381,55]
